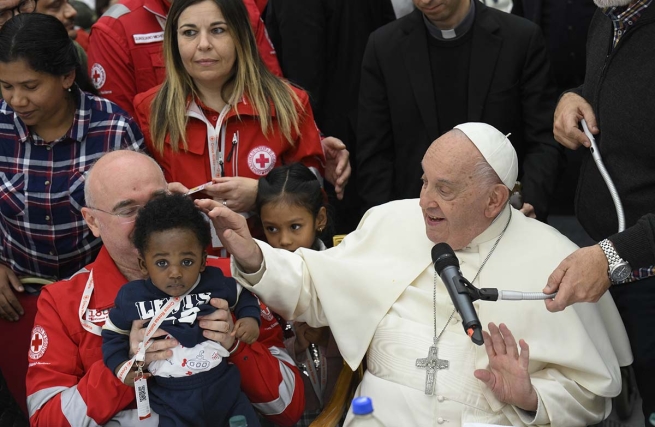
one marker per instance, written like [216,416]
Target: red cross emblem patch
[38,342]
[261,160]
[98,75]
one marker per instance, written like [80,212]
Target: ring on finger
[225,203]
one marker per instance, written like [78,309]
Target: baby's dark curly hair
[168,212]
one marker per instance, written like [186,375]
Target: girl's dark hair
[43,42]
[168,212]
[293,184]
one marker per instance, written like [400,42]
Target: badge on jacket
[261,160]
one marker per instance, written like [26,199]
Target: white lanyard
[216,152]
[318,381]
[152,327]
[84,304]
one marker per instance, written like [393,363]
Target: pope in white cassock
[379,294]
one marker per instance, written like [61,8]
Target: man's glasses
[125,215]
[25,6]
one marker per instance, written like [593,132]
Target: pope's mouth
[434,219]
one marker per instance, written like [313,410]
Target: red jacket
[125,48]
[69,385]
[82,39]
[253,154]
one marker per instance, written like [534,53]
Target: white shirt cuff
[538,417]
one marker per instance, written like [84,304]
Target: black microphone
[447,266]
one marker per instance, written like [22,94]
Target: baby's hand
[131,375]
[246,330]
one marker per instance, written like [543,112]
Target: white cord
[518,296]
[595,153]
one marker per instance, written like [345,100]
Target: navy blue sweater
[140,299]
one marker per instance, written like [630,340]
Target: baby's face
[173,259]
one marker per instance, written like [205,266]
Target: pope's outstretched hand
[232,230]
[508,376]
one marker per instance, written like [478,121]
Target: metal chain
[434,294]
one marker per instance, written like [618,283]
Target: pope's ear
[91,221]
[498,197]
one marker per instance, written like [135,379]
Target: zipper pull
[220,163]
[234,144]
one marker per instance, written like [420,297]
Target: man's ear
[91,221]
[498,197]
[321,219]
[142,266]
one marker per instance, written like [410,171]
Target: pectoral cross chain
[432,363]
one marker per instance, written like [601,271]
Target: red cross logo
[36,342]
[98,75]
[262,160]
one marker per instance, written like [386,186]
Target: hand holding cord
[463,293]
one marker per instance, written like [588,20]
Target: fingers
[486,377]
[488,346]
[574,137]
[510,342]
[332,143]
[342,180]
[497,340]
[136,335]
[10,308]
[342,161]
[570,110]
[177,187]
[160,350]
[220,304]
[528,210]
[524,358]
[557,283]
[555,279]
[589,117]
[207,205]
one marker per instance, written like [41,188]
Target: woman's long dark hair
[43,42]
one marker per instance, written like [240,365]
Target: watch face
[621,272]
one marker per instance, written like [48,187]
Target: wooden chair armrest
[344,390]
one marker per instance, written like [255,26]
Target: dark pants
[636,303]
[201,400]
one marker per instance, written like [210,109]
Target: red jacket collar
[158,7]
[107,280]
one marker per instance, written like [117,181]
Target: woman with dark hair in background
[52,128]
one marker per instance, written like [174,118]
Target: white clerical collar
[493,231]
[455,33]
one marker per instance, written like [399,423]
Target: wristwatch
[619,269]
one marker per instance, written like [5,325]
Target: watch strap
[613,257]
[616,265]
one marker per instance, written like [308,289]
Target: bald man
[67,381]
[379,294]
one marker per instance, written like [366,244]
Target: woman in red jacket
[220,115]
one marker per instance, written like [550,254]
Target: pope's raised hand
[507,375]
[232,230]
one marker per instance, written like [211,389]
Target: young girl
[291,205]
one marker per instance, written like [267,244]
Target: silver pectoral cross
[432,363]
